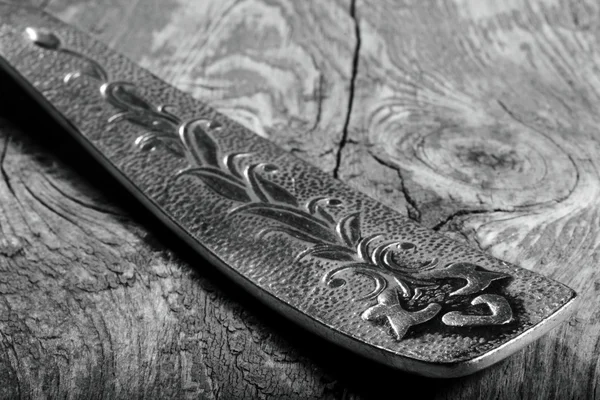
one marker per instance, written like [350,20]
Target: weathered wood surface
[478,119]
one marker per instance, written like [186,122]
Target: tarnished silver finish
[391,265]
[335,260]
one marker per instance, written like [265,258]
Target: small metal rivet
[47,40]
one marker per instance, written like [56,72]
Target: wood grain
[475,118]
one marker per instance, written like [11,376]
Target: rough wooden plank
[488,113]
[475,118]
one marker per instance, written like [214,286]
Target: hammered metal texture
[354,271]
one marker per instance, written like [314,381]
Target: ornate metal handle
[333,259]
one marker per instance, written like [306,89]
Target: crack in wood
[355,61]
[412,208]
[462,213]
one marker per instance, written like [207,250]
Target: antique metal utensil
[330,258]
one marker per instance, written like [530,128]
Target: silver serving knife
[330,258]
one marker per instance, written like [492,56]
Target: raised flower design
[407,290]
[400,320]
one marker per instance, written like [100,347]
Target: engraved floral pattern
[406,290]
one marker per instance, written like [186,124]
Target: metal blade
[330,258]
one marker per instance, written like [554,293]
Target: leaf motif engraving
[403,283]
[152,122]
[150,141]
[123,96]
[349,229]
[333,254]
[275,192]
[266,190]
[291,217]
[90,68]
[231,162]
[220,183]
[316,207]
[201,148]
[323,214]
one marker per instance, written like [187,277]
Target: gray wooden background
[480,119]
